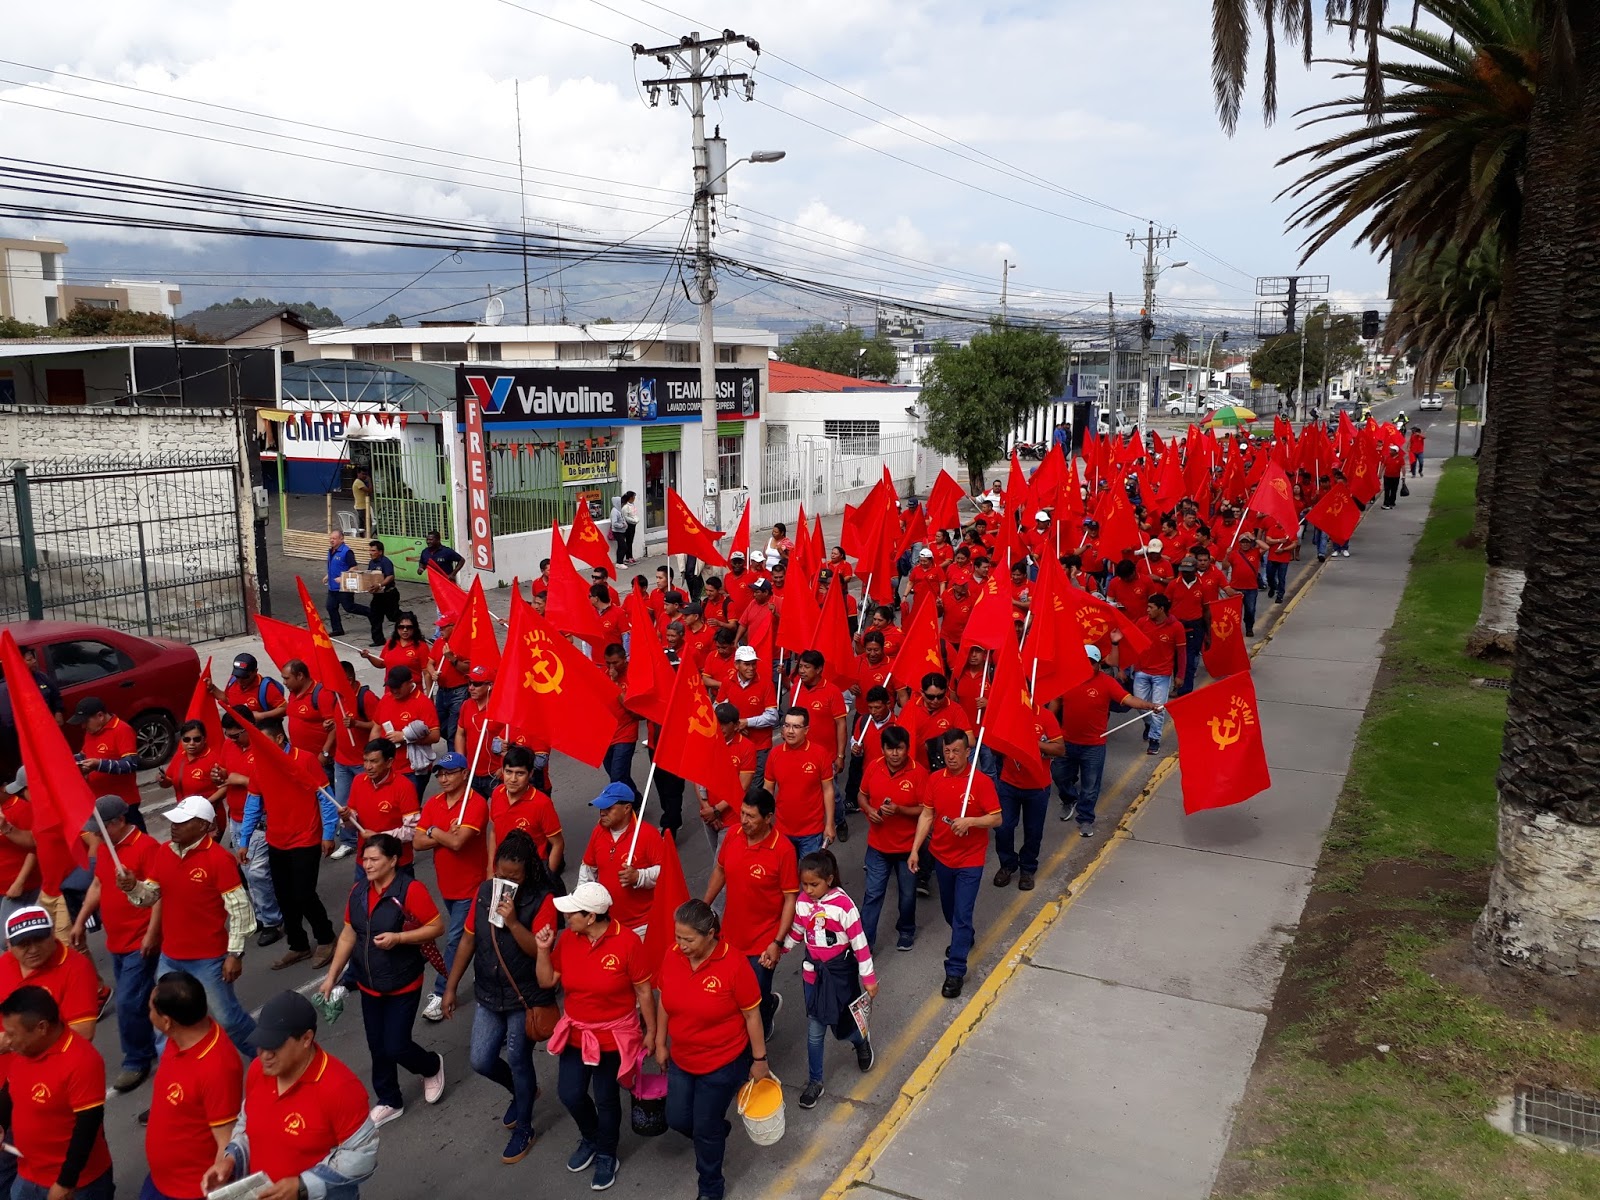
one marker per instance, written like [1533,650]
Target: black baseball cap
[87,707]
[398,676]
[244,665]
[287,1015]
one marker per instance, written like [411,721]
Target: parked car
[147,681]
[1433,400]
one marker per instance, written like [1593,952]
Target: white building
[34,290]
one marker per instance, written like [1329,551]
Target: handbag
[538,1020]
[1404,490]
[647,1112]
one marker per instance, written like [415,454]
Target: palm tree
[1543,909]
[1445,306]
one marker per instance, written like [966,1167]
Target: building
[34,290]
[283,328]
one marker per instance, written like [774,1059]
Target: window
[577,352]
[489,351]
[65,385]
[382,353]
[52,309]
[444,352]
[98,302]
[50,267]
[727,354]
[730,462]
[683,352]
[85,661]
[854,437]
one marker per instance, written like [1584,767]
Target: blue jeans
[697,1107]
[258,876]
[958,897]
[1077,775]
[134,976]
[448,702]
[455,912]
[810,844]
[817,1037]
[96,1189]
[151,1192]
[878,867]
[1027,806]
[224,1005]
[514,1071]
[1277,579]
[1155,689]
[1320,541]
[989,763]
[343,777]
[764,982]
[1247,608]
[347,602]
[1194,637]
[592,1096]
[618,766]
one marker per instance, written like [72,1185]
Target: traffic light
[1147,328]
[1370,324]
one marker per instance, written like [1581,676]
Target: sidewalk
[1108,1053]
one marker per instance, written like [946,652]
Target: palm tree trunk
[1526,343]
[1543,910]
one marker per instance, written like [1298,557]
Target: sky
[926,144]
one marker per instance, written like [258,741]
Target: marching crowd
[887,722]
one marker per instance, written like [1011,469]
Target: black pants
[592,1096]
[625,543]
[669,790]
[388,1020]
[344,602]
[385,607]
[294,879]
[1391,491]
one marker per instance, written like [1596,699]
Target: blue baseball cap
[613,793]
[454,761]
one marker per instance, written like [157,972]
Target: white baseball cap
[589,897]
[1041,515]
[191,808]
[1153,546]
[745,654]
[924,553]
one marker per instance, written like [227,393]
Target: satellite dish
[495,311]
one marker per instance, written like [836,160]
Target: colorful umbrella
[1231,414]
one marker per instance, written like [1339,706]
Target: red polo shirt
[383,806]
[614,620]
[1164,656]
[236,693]
[743,754]
[797,777]
[304,718]
[116,740]
[1086,709]
[459,872]
[597,977]
[751,700]
[195,1091]
[608,855]
[292,1131]
[126,923]
[1188,599]
[871,675]
[925,725]
[825,703]
[69,978]
[758,879]
[391,715]
[194,921]
[944,797]
[237,762]
[1026,773]
[19,814]
[293,815]
[896,832]
[192,777]
[534,813]
[705,1007]
[47,1094]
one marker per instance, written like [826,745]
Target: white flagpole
[106,837]
[1125,724]
[644,801]
[472,772]
[966,794]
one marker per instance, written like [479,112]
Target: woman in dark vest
[387,919]
[505,982]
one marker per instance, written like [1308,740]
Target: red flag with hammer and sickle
[1221,757]
[545,685]
[691,745]
[587,544]
[473,637]
[1274,499]
[1225,652]
[1336,513]
[686,535]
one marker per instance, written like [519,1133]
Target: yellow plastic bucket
[761,1109]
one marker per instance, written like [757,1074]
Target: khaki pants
[56,906]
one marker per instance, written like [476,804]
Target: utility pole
[1147,325]
[522,195]
[1111,386]
[1327,321]
[693,58]
[1006,267]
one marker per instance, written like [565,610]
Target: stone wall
[33,432]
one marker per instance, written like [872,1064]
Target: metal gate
[410,499]
[149,544]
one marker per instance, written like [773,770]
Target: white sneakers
[342,851]
[433,1085]
[433,1010]
[382,1114]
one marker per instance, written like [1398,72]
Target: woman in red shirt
[406,648]
[716,1042]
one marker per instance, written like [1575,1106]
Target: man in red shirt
[891,795]
[618,762]
[630,876]
[34,958]
[613,619]
[452,825]
[517,803]
[1085,710]
[109,758]
[800,775]
[749,690]
[1244,577]
[54,1105]
[759,868]
[1153,668]
[305,1112]
[829,721]
[308,713]
[261,694]
[406,717]
[958,805]
[955,607]
[719,816]
[238,763]
[1394,466]
[1024,794]
[380,798]
[873,665]
[197,1094]
[927,577]
[736,582]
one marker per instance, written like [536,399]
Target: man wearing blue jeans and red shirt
[956,810]
[454,832]
[1025,799]
[1084,713]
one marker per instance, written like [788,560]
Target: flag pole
[866,599]
[106,838]
[1134,721]
[338,702]
[472,772]
[644,799]
[966,793]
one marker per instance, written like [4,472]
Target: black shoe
[1068,811]
[1025,883]
[811,1094]
[1002,877]
[771,1022]
[864,1055]
[923,888]
[952,986]
[144,1117]
[842,833]
[269,934]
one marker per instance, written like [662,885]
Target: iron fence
[149,544]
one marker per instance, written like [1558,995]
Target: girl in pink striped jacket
[837,969]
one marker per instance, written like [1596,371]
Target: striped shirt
[828,926]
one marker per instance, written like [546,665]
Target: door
[660,473]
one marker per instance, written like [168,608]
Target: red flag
[1225,652]
[880,529]
[992,620]
[671,891]
[919,650]
[1008,547]
[1221,757]
[686,535]
[1053,653]
[1166,483]
[832,638]
[567,601]
[273,770]
[943,503]
[1070,501]
[797,619]
[473,637]
[61,799]
[284,642]
[1336,514]
[447,594]
[1048,480]
[324,662]
[741,534]
[1008,720]
[587,544]
[691,745]
[203,708]
[1363,472]
[1119,528]
[649,672]
[819,545]
[1097,619]
[916,530]
[1016,493]
[1274,499]
[547,686]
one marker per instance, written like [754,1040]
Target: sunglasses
[405,628]
[192,741]
[933,695]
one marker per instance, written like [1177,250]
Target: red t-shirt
[1032,773]
[871,675]
[705,1008]
[459,872]
[414,654]
[926,726]
[751,700]
[615,622]
[381,807]
[195,1091]
[743,754]
[293,1131]
[194,921]
[415,902]
[825,703]
[1188,599]
[738,589]
[47,1094]
[1244,570]
[69,978]
[597,977]
[390,715]
[897,831]
[192,777]
[1130,594]
[943,796]
[116,740]
[236,693]
[1164,655]
[237,762]
[293,815]
[796,781]
[19,814]
[444,664]
[304,718]
[1086,708]
[759,877]
[534,813]
[125,922]
[608,855]
[471,722]
[954,621]
[625,722]
[350,745]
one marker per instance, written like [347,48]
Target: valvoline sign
[548,395]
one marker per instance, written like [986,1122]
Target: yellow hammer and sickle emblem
[933,657]
[545,672]
[700,721]
[1225,731]
[320,640]
[690,525]
[1280,487]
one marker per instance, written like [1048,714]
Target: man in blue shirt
[341,559]
[385,596]
[441,556]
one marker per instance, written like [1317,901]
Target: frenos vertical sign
[481,395]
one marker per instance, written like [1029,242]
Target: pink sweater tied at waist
[627,1031]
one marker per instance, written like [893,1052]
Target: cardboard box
[360,581]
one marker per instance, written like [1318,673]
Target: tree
[1541,912]
[1180,344]
[315,315]
[10,327]
[1335,343]
[840,351]
[87,321]
[389,322]
[976,394]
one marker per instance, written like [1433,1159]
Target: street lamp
[1006,267]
